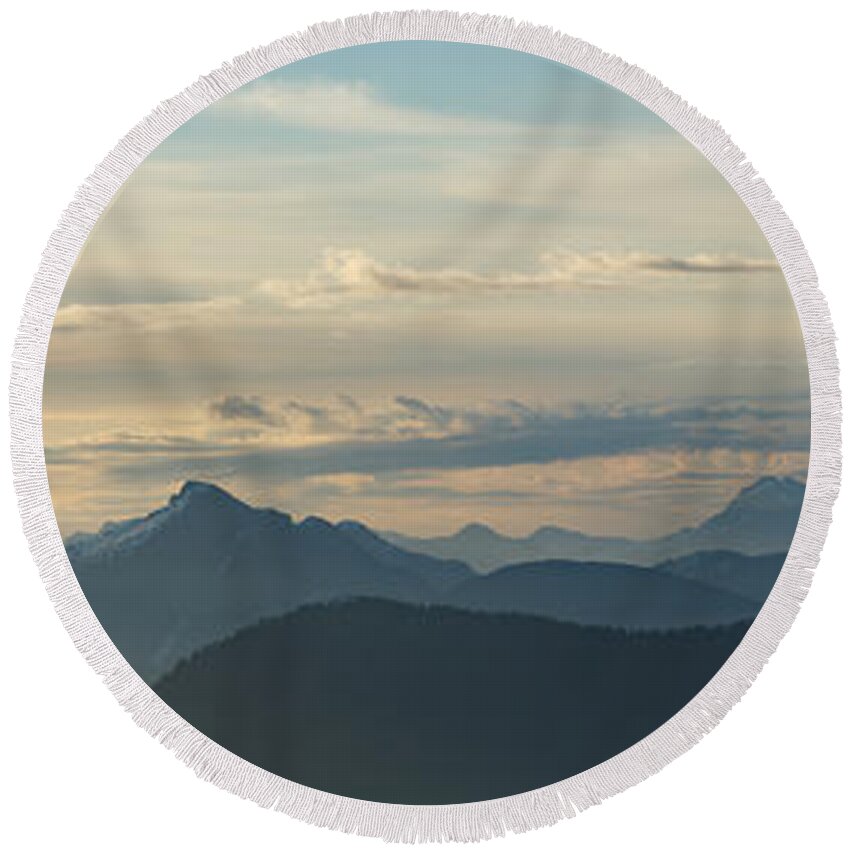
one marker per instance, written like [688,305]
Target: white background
[75,769]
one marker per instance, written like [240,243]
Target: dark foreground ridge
[414,704]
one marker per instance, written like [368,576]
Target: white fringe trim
[469,821]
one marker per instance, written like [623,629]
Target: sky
[423,284]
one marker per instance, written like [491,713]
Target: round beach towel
[424,425]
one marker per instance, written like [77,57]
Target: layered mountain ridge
[207,565]
[760,520]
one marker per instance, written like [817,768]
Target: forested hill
[403,703]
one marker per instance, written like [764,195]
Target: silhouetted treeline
[409,704]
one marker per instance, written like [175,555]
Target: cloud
[601,266]
[128,443]
[501,435]
[342,484]
[352,275]
[593,479]
[352,107]
[146,317]
[129,285]
[320,420]
[342,436]
[345,418]
[507,462]
[237,407]
[419,410]
[406,417]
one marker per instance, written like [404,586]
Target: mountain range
[760,520]
[207,565]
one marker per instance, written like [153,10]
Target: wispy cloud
[132,443]
[353,107]
[601,266]
[351,274]
[414,434]
[238,407]
[144,316]
[508,462]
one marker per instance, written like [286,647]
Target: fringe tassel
[471,821]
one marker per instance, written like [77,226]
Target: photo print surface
[426,422]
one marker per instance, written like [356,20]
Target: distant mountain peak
[770,491]
[353,525]
[776,484]
[192,486]
[316,523]
[200,501]
[761,519]
[193,491]
[478,529]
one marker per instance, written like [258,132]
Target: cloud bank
[351,274]
[417,465]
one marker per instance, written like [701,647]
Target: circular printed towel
[426,422]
